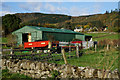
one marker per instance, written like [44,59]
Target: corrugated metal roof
[53,29]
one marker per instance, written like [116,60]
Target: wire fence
[41,56]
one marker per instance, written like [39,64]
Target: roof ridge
[53,29]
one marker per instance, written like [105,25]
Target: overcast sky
[71,7]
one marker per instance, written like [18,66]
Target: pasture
[101,59]
[101,36]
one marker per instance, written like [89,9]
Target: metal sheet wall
[58,36]
[35,34]
[81,37]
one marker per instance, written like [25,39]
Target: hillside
[40,18]
[98,20]
[16,21]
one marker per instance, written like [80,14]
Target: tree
[11,40]
[111,11]
[107,12]
[86,26]
[90,24]
[10,23]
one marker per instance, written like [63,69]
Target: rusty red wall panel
[36,44]
[76,41]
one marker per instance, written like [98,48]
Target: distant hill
[98,20]
[40,18]
[60,21]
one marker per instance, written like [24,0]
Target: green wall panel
[39,35]
[36,34]
[81,37]
[58,36]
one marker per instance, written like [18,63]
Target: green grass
[101,36]
[4,40]
[96,34]
[7,75]
[99,60]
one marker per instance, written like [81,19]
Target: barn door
[33,36]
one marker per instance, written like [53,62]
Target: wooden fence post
[69,48]
[107,46]
[95,47]
[117,45]
[64,57]
[11,52]
[49,45]
[77,50]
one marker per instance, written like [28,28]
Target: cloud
[47,7]
[2,13]
[50,8]
[75,11]
[5,9]
[97,8]
[31,6]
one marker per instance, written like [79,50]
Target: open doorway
[26,37]
[88,38]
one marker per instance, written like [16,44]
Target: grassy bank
[101,36]
[7,75]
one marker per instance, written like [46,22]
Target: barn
[35,33]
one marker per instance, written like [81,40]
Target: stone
[31,71]
[91,73]
[46,66]
[63,75]
[3,62]
[99,73]
[115,74]
[42,66]
[28,65]
[32,66]
[15,62]
[68,69]
[22,72]
[63,66]
[50,67]
[81,68]
[38,66]
[109,75]
[24,65]
[106,73]
[28,74]
[45,76]
[49,75]
[37,76]
[7,63]
[44,72]
[19,63]
[82,74]
[16,69]
[32,75]
[38,71]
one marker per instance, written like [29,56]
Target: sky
[71,7]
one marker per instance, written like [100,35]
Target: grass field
[4,40]
[100,60]
[101,36]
